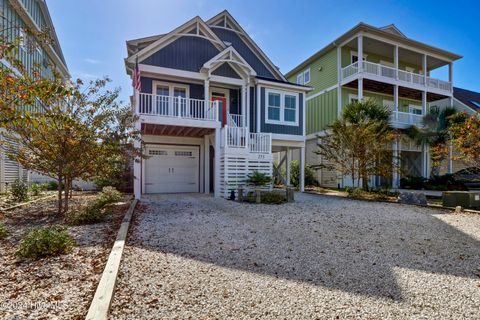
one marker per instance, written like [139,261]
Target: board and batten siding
[278,128]
[244,50]
[321,111]
[323,73]
[185,53]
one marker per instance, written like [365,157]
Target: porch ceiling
[176,131]
[386,88]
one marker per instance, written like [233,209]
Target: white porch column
[450,157]
[395,61]
[287,166]
[360,52]
[206,88]
[395,100]
[206,164]
[137,164]
[360,89]
[216,168]
[244,104]
[247,104]
[339,89]
[424,102]
[302,169]
[424,68]
[425,158]
[395,177]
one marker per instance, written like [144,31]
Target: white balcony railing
[260,142]
[170,106]
[240,138]
[392,73]
[405,119]
[235,120]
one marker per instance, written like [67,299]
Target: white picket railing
[392,73]
[235,137]
[170,106]
[406,118]
[260,142]
[235,120]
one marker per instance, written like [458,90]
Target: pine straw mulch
[57,287]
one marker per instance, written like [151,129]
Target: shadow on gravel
[351,246]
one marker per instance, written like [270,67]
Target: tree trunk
[60,197]
[66,187]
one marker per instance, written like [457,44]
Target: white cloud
[92,61]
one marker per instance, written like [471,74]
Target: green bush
[36,188]
[107,196]
[259,179]
[273,197]
[355,193]
[295,175]
[19,191]
[90,215]
[51,185]
[3,230]
[44,242]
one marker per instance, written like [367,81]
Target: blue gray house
[212,109]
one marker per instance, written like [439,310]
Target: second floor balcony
[404,120]
[382,72]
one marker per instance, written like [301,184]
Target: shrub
[37,188]
[3,230]
[356,193]
[107,196]
[90,215]
[413,182]
[273,197]
[259,179]
[19,191]
[44,242]
[51,185]
[295,175]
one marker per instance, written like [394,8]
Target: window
[290,110]
[163,101]
[300,78]
[183,153]
[282,108]
[157,153]
[304,77]
[415,110]
[354,56]
[274,106]
[352,98]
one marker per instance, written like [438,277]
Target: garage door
[171,169]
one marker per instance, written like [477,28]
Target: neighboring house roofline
[363,27]
[54,51]
[263,56]
[466,98]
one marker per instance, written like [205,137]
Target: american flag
[136,76]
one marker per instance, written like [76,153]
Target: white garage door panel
[171,169]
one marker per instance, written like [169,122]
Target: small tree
[259,179]
[466,138]
[357,143]
[435,132]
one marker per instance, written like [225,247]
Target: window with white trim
[304,77]
[354,56]
[415,110]
[282,107]
[352,98]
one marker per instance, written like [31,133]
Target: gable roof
[386,33]
[224,20]
[393,30]
[469,98]
[185,29]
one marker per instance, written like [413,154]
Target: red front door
[222,108]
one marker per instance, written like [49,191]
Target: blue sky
[93,33]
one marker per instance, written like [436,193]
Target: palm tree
[435,132]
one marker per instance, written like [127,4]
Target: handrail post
[179,109]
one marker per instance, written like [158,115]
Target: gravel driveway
[192,256]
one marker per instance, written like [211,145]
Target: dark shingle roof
[467,97]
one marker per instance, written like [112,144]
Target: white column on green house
[395,101]
[206,164]
[450,75]
[216,168]
[339,89]
[425,160]
[396,158]
[360,67]
[302,169]
[424,68]
[287,166]
[395,60]
[424,102]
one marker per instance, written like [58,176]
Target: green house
[381,64]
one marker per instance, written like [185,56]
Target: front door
[222,108]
